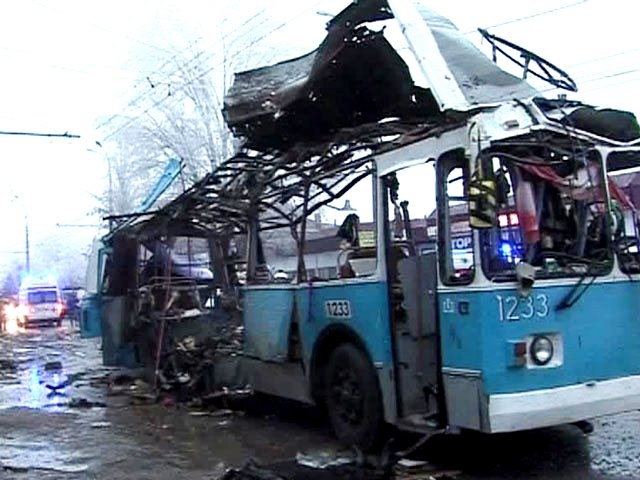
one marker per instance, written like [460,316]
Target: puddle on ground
[43,369]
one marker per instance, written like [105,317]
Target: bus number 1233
[513,309]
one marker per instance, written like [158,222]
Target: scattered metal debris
[408,469]
[100,424]
[325,458]
[251,471]
[211,413]
[84,403]
[8,364]
[56,469]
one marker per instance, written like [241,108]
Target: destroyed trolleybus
[537,327]
[486,275]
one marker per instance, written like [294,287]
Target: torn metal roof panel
[480,80]
[379,59]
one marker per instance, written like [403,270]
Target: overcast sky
[71,63]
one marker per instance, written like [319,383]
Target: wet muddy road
[80,432]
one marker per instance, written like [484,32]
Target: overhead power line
[605,57]
[533,15]
[49,6]
[588,80]
[34,134]
[208,71]
[150,90]
[609,85]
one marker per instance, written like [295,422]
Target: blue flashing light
[38,280]
[506,250]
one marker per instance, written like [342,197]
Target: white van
[40,302]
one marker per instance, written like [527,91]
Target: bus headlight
[541,350]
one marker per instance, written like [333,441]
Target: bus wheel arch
[330,339]
[342,371]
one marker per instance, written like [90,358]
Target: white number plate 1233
[337,308]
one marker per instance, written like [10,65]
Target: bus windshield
[626,184]
[554,217]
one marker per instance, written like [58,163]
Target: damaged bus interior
[465,289]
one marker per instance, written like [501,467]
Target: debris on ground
[408,463]
[211,413]
[224,392]
[8,364]
[407,469]
[56,469]
[54,366]
[325,458]
[14,469]
[185,374]
[100,424]
[168,401]
[188,364]
[251,471]
[84,403]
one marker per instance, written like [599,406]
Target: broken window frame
[575,265]
[628,261]
[445,164]
[549,72]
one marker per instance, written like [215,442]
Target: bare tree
[187,120]
[11,281]
[182,116]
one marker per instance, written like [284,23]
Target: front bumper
[556,406]
[44,320]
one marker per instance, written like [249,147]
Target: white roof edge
[425,49]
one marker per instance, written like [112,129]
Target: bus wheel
[585,426]
[353,398]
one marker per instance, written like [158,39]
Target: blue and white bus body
[484,377]
[595,372]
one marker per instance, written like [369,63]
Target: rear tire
[353,399]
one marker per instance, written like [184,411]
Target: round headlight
[541,350]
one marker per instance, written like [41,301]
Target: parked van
[40,302]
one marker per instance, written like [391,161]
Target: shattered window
[624,215]
[455,234]
[280,253]
[183,257]
[410,209]
[554,217]
[354,251]
[503,247]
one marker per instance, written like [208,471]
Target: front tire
[353,399]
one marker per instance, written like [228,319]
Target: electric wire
[48,6]
[191,61]
[206,72]
[529,17]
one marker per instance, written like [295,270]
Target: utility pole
[110,177]
[27,258]
[26,243]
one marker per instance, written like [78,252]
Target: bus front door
[414,320]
